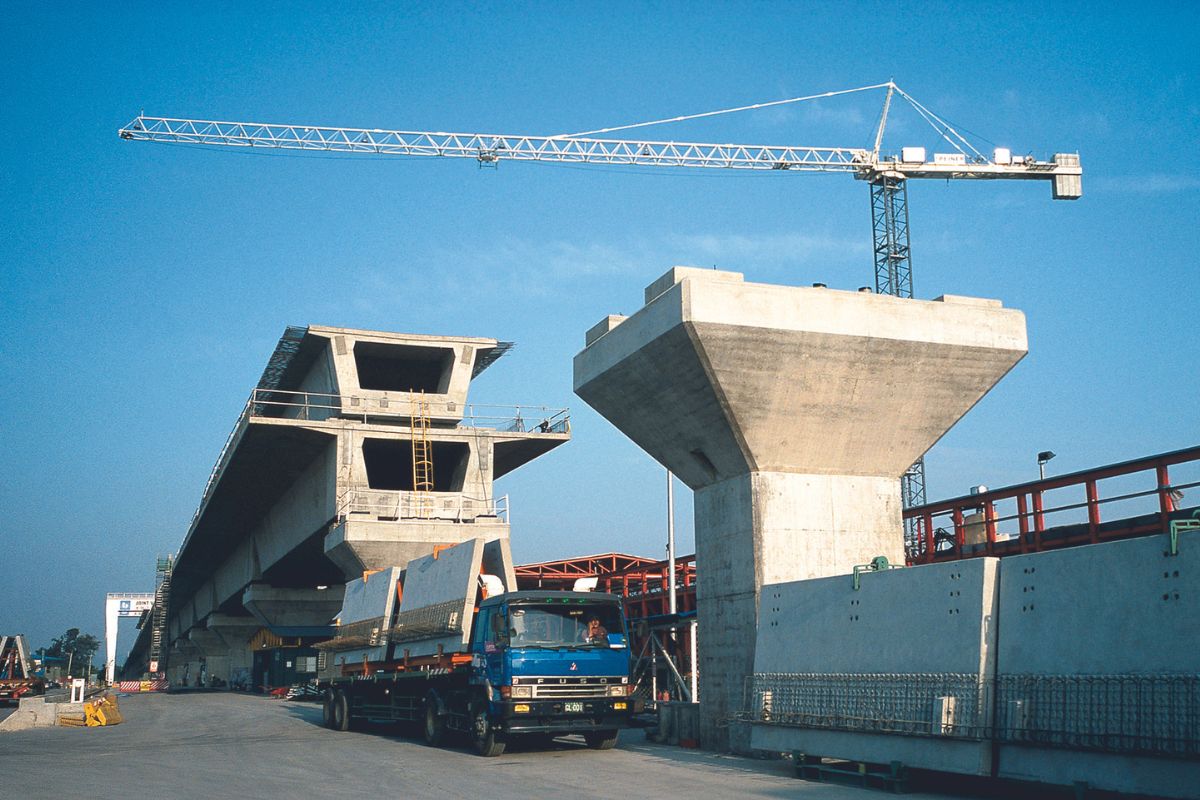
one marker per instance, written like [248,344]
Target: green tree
[75,648]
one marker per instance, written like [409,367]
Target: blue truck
[531,664]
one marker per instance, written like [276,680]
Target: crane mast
[887,175]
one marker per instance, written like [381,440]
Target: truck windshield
[564,625]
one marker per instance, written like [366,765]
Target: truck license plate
[573,708]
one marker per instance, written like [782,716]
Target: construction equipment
[887,175]
[17,678]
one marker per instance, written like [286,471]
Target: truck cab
[552,662]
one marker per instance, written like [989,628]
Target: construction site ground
[207,745]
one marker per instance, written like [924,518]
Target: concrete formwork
[317,481]
[792,412]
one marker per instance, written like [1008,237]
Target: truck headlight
[522,692]
[616,691]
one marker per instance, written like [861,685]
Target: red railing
[1056,512]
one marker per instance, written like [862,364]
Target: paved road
[231,745]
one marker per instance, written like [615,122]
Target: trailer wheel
[341,711]
[483,734]
[601,740]
[327,708]
[434,729]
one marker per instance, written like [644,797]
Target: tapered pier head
[792,412]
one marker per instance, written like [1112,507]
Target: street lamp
[1043,457]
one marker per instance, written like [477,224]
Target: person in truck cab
[595,632]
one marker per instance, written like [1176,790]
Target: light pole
[1043,457]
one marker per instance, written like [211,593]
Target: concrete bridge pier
[215,652]
[235,632]
[792,413]
[183,661]
[272,605]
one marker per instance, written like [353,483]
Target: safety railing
[1133,498]
[316,406]
[447,506]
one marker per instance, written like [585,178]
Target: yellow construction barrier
[102,712]
[96,714]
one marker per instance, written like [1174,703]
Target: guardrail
[1055,512]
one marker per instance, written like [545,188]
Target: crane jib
[492,148]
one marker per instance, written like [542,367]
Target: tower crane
[887,175]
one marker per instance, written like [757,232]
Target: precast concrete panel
[1102,609]
[371,597]
[366,615]
[439,593]
[1099,656]
[910,651]
[927,619]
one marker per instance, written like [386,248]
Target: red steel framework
[644,586]
[642,582]
[974,525]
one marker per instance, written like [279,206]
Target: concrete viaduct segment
[357,450]
[792,413]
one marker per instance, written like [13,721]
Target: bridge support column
[792,412]
[236,633]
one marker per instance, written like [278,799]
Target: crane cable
[943,128]
[934,121]
[721,111]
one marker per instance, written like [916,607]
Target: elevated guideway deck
[357,450]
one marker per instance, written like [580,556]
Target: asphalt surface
[232,745]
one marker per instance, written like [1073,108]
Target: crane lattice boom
[490,148]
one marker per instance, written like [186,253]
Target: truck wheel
[341,711]
[434,729]
[601,740]
[327,708]
[483,735]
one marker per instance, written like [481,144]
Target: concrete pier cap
[791,412]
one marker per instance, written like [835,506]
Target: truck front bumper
[553,716]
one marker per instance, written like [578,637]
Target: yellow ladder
[422,456]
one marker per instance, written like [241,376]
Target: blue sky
[143,287]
